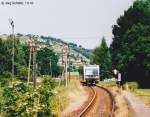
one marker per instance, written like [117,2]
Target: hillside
[78,54]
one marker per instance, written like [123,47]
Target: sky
[84,22]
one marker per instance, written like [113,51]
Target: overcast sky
[84,22]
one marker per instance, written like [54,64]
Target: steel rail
[89,105]
[94,97]
[112,99]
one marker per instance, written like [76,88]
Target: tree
[21,72]
[5,57]
[101,56]
[131,43]
[47,62]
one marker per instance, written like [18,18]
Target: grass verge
[108,84]
[62,98]
[121,106]
[144,95]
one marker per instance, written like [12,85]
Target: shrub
[4,78]
[7,74]
[130,86]
[22,72]
[22,100]
[108,84]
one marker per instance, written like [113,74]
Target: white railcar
[91,73]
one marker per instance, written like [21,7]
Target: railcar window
[91,72]
[95,72]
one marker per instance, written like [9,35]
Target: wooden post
[29,66]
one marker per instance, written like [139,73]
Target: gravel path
[137,107]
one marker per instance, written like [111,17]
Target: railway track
[101,104]
[90,103]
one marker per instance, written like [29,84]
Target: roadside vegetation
[121,106]
[131,44]
[130,86]
[17,98]
[108,84]
[20,99]
[71,97]
[144,95]
[129,51]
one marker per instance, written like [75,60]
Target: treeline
[130,49]
[19,99]
[46,59]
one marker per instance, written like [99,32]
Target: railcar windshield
[91,72]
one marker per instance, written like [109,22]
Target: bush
[22,100]
[130,86]
[3,82]
[108,84]
[7,74]
[4,78]
[15,100]
[22,72]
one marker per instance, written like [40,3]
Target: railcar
[90,74]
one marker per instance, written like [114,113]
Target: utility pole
[65,63]
[50,67]
[29,69]
[34,65]
[32,60]
[13,46]
[69,61]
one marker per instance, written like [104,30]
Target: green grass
[144,95]
[108,84]
[1,91]
[130,86]
[62,98]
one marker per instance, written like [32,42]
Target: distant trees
[101,56]
[85,52]
[6,55]
[47,62]
[131,43]
[46,58]
[18,98]
[73,46]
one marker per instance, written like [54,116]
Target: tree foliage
[5,57]
[131,43]
[17,99]
[101,56]
[47,62]
[20,100]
